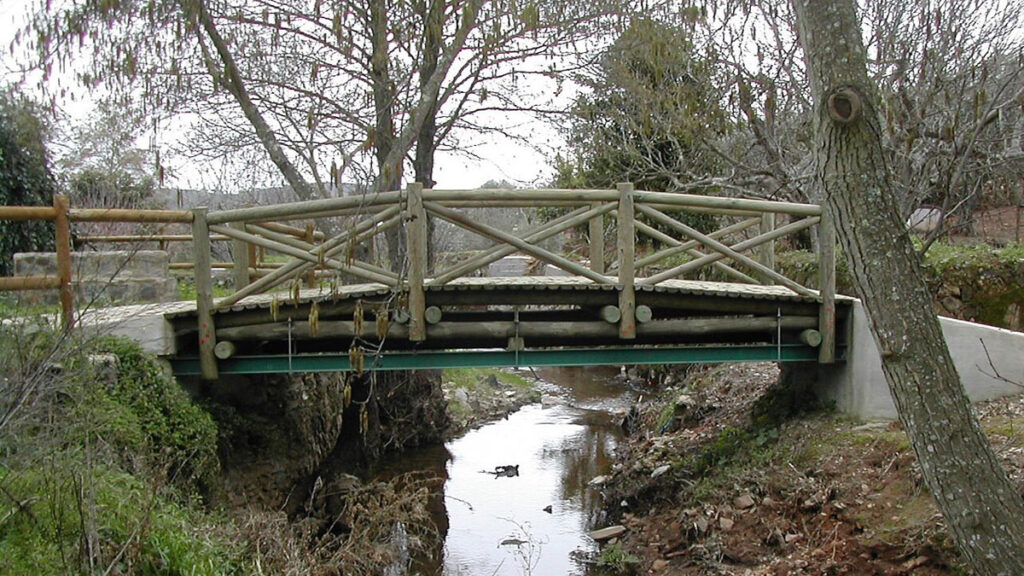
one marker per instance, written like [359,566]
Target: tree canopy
[950,77]
[104,167]
[329,89]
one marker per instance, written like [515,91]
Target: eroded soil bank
[280,433]
[724,474]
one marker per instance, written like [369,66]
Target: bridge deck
[509,285]
[521,320]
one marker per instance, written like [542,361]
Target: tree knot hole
[844,105]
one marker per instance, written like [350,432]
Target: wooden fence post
[311,238]
[766,251]
[827,287]
[204,294]
[627,259]
[596,232]
[62,239]
[416,242]
[240,257]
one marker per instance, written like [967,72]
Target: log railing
[62,215]
[741,250]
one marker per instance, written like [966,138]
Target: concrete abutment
[990,362]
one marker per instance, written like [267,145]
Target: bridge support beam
[416,241]
[627,260]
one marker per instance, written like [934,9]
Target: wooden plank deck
[486,284]
[183,309]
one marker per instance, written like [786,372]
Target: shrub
[145,400]
[93,467]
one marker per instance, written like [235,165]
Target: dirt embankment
[279,434]
[718,478]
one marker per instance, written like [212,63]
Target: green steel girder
[428,360]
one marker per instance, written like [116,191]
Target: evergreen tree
[649,107]
[25,176]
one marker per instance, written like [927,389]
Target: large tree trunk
[389,163]
[982,508]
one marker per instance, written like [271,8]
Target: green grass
[474,379]
[614,557]
[101,471]
[187,290]
[127,523]
[475,382]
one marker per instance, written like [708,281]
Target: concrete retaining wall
[115,277]
[858,386]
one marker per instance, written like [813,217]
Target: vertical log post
[254,260]
[766,251]
[596,232]
[204,294]
[62,239]
[416,240]
[627,260]
[310,238]
[240,256]
[827,287]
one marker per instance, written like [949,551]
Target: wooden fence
[62,215]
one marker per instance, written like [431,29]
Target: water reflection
[533,522]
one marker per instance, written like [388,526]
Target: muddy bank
[720,476]
[280,433]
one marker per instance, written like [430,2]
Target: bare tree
[363,87]
[983,509]
[950,78]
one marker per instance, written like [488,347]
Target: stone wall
[117,277]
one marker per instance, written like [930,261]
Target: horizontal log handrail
[130,215]
[18,283]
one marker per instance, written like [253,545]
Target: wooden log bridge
[661,289]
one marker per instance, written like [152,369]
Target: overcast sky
[500,158]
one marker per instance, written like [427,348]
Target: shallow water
[498,525]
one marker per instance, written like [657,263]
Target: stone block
[104,278]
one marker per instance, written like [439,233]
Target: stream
[498,525]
